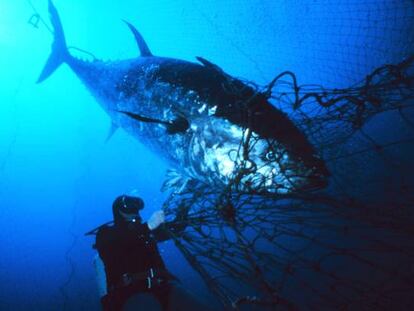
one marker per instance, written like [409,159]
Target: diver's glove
[156,219]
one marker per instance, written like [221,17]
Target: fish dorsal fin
[142,45]
[209,64]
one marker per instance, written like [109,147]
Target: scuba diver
[131,273]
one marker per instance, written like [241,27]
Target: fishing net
[350,244]
[347,246]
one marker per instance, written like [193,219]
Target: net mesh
[334,43]
[350,245]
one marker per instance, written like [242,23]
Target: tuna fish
[210,126]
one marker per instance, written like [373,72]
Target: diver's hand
[156,219]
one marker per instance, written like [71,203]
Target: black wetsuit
[130,251]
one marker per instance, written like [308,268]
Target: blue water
[58,176]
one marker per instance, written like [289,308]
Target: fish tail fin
[60,52]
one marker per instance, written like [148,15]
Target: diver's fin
[142,45]
[59,49]
[111,132]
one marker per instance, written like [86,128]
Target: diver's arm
[167,230]
[156,225]
[156,220]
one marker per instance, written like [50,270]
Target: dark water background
[58,176]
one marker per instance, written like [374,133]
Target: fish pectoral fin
[140,118]
[111,131]
[179,125]
[142,45]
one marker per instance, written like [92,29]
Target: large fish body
[148,94]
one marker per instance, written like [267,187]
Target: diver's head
[126,209]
